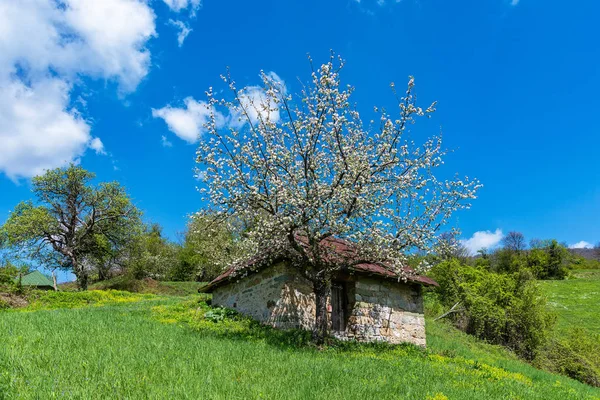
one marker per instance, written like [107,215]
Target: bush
[548,260]
[217,314]
[8,274]
[505,309]
[576,355]
[584,263]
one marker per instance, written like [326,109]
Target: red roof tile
[341,248]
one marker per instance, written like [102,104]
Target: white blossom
[299,170]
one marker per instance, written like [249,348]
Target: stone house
[368,302]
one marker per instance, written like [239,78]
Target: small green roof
[36,278]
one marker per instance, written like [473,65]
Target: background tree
[514,241]
[61,229]
[558,259]
[207,246]
[449,247]
[109,257]
[152,255]
[536,243]
[312,170]
[9,272]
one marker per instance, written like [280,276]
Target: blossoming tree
[307,169]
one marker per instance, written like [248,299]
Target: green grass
[576,301]
[50,300]
[159,347]
[129,284]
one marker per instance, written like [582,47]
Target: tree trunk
[321,289]
[82,280]
[102,273]
[80,274]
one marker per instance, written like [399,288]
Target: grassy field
[576,300]
[134,346]
[141,286]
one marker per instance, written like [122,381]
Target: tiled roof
[338,248]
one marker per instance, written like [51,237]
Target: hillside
[576,300]
[147,285]
[588,254]
[120,345]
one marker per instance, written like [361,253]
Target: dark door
[338,306]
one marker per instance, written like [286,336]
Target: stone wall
[378,310]
[277,296]
[385,311]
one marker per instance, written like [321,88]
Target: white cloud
[46,46]
[165,142]
[37,129]
[256,105]
[581,245]
[97,145]
[187,122]
[104,39]
[514,2]
[183,30]
[179,5]
[278,83]
[483,239]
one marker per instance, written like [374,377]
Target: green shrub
[576,355]
[548,260]
[8,274]
[217,314]
[505,309]
[584,263]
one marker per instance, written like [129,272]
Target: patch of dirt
[12,300]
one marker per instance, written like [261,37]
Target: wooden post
[54,281]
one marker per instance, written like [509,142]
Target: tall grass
[167,349]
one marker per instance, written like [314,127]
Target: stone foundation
[377,310]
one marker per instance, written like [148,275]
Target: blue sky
[516,82]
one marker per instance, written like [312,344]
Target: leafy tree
[507,261]
[8,273]
[558,257]
[312,170]
[208,245]
[109,257]
[152,255]
[69,216]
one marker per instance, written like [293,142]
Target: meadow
[112,344]
[576,300]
